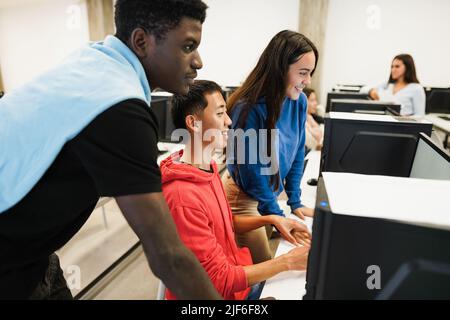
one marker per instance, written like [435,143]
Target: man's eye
[303,74]
[188,48]
[220,114]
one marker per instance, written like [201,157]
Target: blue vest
[38,119]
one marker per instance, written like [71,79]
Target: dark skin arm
[168,258]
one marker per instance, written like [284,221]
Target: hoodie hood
[173,169]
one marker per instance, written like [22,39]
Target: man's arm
[149,217]
[296,259]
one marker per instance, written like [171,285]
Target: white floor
[96,246]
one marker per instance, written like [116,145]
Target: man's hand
[297,258]
[293,231]
[304,212]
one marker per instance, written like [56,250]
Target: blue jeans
[255,292]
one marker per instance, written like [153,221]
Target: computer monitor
[438,100]
[347,88]
[228,91]
[344,95]
[370,144]
[430,161]
[364,106]
[161,105]
[349,250]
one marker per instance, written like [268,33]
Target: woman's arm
[291,230]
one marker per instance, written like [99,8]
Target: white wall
[37,35]
[357,51]
[236,32]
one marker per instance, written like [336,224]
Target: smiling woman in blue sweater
[270,104]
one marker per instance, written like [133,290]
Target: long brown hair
[410,68]
[269,80]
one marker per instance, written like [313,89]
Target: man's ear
[142,42]
[192,123]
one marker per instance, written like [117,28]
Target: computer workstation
[383,237]
[390,246]
[438,110]
[344,95]
[370,144]
[426,161]
[364,106]
[355,88]
[437,100]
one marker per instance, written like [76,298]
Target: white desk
[291,285]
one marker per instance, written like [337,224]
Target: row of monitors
[336,101]
[398,148]
[437,100]
[380,145]
[342,245]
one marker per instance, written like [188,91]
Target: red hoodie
[204,222]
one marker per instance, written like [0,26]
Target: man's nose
[197,62]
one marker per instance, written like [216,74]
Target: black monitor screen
[438,100]
[364,106]
[370,147]
[344,95]
[161,106]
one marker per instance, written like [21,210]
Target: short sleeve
[119,150]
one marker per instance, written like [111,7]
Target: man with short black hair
[84,130]
[196,198]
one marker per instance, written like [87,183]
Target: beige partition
[100,18]
[313,24]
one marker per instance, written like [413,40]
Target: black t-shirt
[115,155]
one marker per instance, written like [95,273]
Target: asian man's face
[215,120]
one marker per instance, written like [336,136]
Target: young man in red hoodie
[196,198]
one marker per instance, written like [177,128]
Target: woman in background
[314,129]
[403,87]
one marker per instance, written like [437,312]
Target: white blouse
[411,98]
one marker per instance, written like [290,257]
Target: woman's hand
[304,212]
[373,94]
[293,231]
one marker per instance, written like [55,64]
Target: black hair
[193,102]
[156,17]
[410,68]
[308,91]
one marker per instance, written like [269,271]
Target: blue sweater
[38,119]
[290,151]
